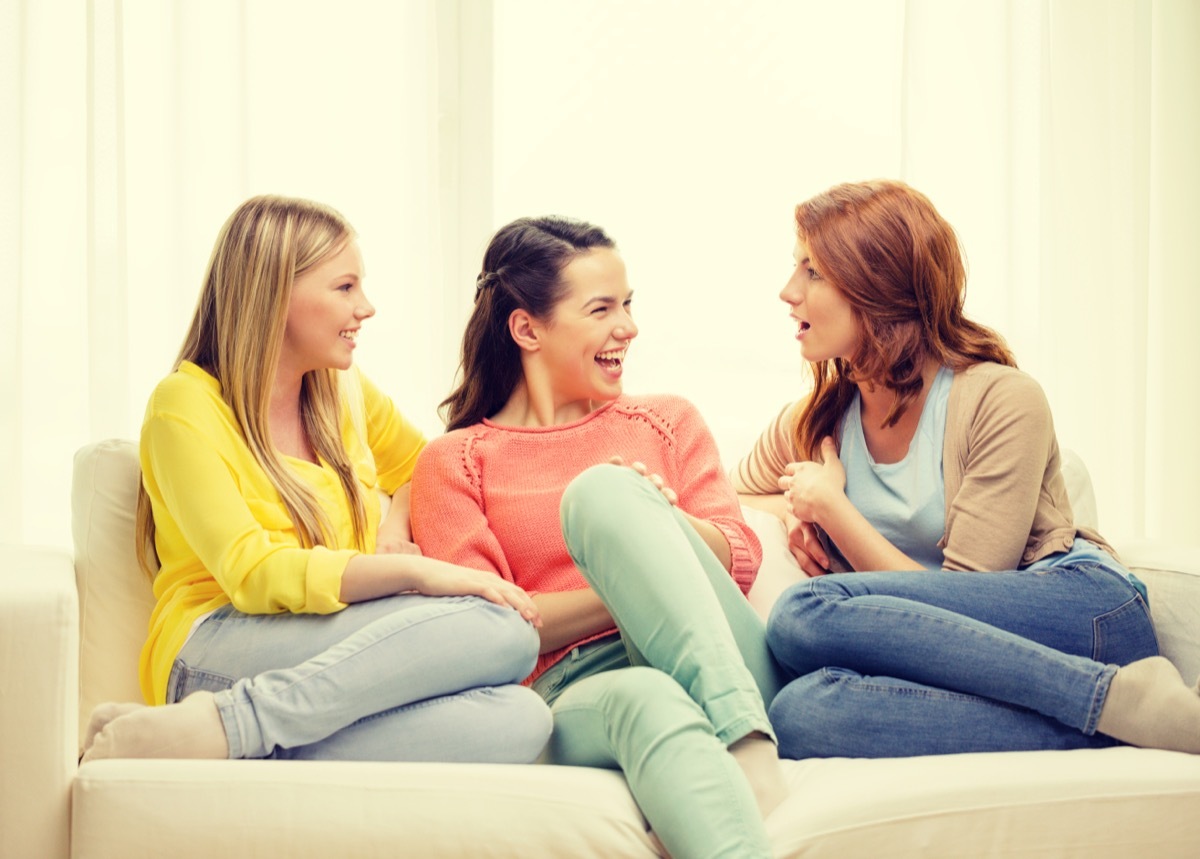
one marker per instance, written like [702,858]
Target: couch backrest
[115,596]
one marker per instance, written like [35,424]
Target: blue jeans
[404,678]
[688,677]
[898,664]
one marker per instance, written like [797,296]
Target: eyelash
[346,287]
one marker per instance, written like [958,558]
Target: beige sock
[1149,705]
[759,759]
[190,729]
[102,715]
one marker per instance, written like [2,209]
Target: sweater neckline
[590,416]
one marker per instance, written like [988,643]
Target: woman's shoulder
[997,396]
[452,446]
[671,407]
[187,391]
[992,380]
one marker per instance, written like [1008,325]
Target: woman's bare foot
[758,757]
[1149,705]
[190,729]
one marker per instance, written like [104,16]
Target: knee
[510,647]
[598,498]
[790,624]
[524,723]
[808,713]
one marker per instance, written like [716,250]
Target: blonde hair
[236,335]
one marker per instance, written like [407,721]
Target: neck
[535,406]
[287,425]
[877,398]
[285,392]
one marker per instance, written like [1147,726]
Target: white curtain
[1058,136]
[134,127]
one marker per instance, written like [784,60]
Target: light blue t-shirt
[905,500]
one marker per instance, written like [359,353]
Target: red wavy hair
[899,264]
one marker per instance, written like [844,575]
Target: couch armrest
[1171,573]
[39,700]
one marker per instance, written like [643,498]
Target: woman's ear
[524,330]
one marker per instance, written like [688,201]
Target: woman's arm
[1007,446]
[395,533]
[706,496]
[570,616]
[758,472]
[368,577]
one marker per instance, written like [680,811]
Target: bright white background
[1058,136]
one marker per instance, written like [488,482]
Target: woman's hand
[810,488]
[439,579]
[806,546]
[667,492]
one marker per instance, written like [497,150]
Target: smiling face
[583,343]
[326,310]
[826,328]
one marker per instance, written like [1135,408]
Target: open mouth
[611,361]
[349,334]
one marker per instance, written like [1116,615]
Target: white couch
[71,628]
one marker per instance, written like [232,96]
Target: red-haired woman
[923,451]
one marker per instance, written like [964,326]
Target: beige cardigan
[1006,501]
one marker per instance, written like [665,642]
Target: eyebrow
[606,299]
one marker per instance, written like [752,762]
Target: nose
[627,330]
[792,293]
[365,309]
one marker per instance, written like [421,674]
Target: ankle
[758,757]
[1149,705]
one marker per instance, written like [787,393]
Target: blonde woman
[293,619]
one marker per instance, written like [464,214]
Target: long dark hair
[898,263]
[522,270]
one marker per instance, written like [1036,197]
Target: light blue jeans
[688,678]
[404,678]
[899,664]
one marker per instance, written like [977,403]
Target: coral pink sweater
[487,496]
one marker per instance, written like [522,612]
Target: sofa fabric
[71,630]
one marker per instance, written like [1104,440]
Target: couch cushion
[115,596]
[1091,804]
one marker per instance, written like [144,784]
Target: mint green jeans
[687,678]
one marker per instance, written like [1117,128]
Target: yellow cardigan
[223,534]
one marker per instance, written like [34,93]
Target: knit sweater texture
[487,496]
